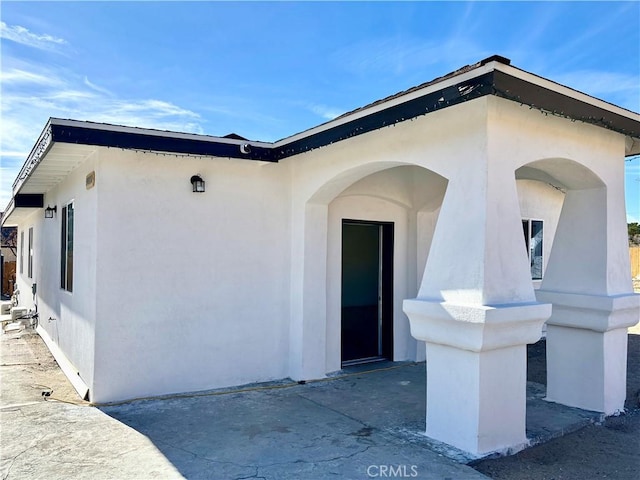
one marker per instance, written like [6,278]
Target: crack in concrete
[13,460]
[255,475]
[314,462]
[333,410]
[270,465]
[210,460]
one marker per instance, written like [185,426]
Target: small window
[66,248]
[533,238]
[30,253]
[21,252]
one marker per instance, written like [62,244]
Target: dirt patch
[29,371]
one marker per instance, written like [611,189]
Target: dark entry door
[367,275]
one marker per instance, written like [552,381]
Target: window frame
[66,246]
[528,245]
[22,252]
[30,254]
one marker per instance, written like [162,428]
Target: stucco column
[476,311]
[588,280]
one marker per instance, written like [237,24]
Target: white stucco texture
[493,272]
[177,291]
[193,286]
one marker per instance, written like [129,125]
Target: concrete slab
[317,430]
[359,424]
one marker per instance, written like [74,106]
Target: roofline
[394,100]
[38,151]
[8,210]
[108,127]
[492,76]
[563,89]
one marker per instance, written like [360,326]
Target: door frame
[385,287]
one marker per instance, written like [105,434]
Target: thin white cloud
[155,108]
[32,93]
[403,55]
[11,153]
[17,76]
[22,35]
[328,113]
[95,87]
[71,95]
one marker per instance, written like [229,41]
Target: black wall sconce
[198,183]
[49,211]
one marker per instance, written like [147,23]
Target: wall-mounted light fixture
[49,211]
[197,183]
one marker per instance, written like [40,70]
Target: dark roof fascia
[493,82]
[430,102]
[555,103]
[160,143]
[29,200]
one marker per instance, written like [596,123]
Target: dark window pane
[70,248]
[63,249]
[536,249]
[525,228]
[30,253]
[21,252]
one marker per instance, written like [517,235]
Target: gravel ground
[610,450]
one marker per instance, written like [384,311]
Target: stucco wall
[179,291]
[67,317]
[192,287]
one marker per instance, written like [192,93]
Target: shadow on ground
[360,425]
[343,426]
[348,427]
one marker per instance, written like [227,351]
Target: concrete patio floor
[361,424]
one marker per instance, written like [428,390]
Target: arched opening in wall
[570,200]
[378,236]
[543,187]
[540,207]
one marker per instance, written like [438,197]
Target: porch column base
[587,349]
[476,371]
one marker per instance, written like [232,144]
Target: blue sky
[269,70]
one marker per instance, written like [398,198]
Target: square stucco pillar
[476,311]
[476,371]
[587,349]
[588,281]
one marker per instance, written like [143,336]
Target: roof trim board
[492,76]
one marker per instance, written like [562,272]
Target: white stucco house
[393,226]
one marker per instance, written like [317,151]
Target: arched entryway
[587,280]
[379,230]
[396,200]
